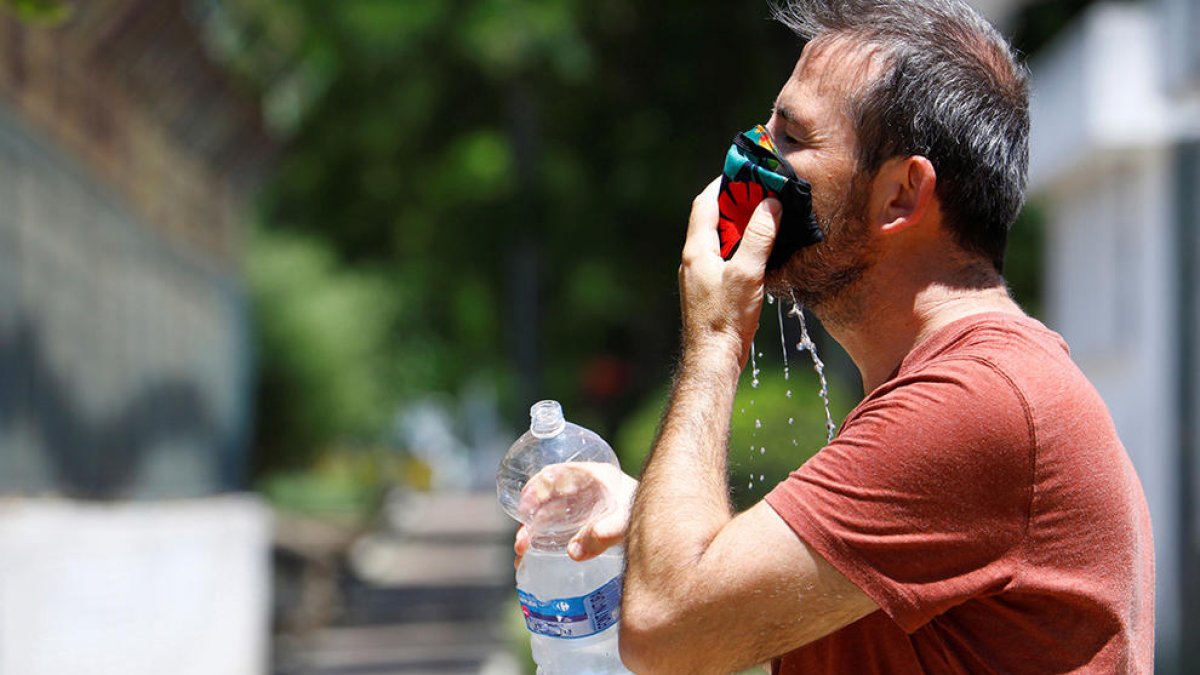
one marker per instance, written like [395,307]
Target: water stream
[757,423]
[806,343]
[783,345]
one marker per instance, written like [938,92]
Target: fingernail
[574,549]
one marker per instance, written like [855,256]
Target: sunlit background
[280,279]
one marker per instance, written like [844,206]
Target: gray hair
[950,90]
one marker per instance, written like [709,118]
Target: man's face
[812,129]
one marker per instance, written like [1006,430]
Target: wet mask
[754,170]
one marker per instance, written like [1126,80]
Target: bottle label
[573,617]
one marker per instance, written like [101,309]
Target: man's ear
[905,189]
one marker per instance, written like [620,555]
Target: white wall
[162,588]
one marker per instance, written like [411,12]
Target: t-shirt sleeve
[924,496]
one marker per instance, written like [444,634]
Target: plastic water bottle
[571,608]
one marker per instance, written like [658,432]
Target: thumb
[759,235]
[583,545]
[597,537]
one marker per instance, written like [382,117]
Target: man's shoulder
[989,382]
[1000,350]
[1004,340]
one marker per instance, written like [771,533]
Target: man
[977,512]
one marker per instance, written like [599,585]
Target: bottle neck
[546,419]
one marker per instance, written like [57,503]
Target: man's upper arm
[757,592]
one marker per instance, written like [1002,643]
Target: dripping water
[806,343]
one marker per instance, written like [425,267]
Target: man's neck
[890,312]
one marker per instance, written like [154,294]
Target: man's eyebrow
[791,118]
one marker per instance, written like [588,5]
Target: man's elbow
[650,641]
[641,649]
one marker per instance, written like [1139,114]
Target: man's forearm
[683,500]
[674,553]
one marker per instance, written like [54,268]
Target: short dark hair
[952,90]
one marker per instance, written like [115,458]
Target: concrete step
[441,648]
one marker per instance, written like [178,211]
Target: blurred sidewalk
[427,592]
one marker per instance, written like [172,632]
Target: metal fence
[124,365]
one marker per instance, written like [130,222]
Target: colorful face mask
[754,171]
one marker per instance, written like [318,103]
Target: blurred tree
[493,157]
[324,339]
[1038,23]
[1023,263]
[771,432]
[517,171]
[41,11]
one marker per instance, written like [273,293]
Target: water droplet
[750,485]
[770,299]
[753,367]
[757,424]
[762,477]
[762,450]
[791,420]
[789,393]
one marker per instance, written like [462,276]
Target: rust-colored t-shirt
[982,498]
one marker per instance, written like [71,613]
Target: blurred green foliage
[323,336]
[347,484]
[771,432]
[1023,265]
[515,173]
[39,11]
[1038,23]
[489,190]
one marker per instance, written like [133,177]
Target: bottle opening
[546,419]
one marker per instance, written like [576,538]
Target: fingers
[759,237]
[580,485]
[599,536]
[609,529]
[551,483]
[581,547]
[702,235]
[521,545]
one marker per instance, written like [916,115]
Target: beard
[824,275]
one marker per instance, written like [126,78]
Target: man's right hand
[560,481]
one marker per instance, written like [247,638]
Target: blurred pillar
[1187,201]
[524,258]
[524,333]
